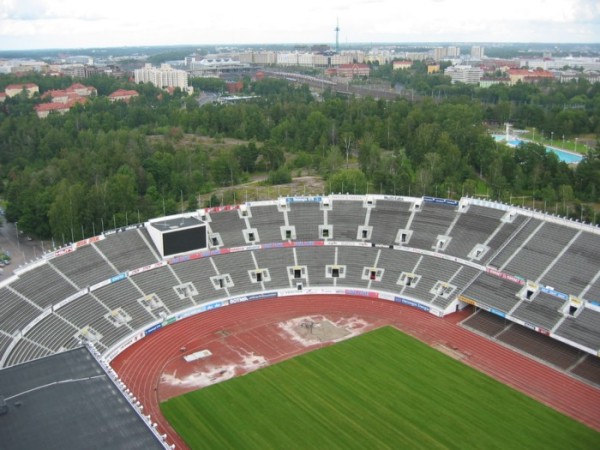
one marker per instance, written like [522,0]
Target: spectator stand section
[434,254]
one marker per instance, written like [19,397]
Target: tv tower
[337,36]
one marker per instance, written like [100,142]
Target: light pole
[17,230]
[551,137]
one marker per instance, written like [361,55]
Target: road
[21,251]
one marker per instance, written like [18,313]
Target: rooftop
[175,224]
[67,401]
[123,93]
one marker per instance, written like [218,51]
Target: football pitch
[383,389]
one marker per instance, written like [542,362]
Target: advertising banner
[152,329]
[505,276]
[315,199]
[361,293]
[119,277]
[462,298]
[261,296]
[147,268]
[412,303]
[497,312]
[169,321]
[69,299]
[444,201]
[551,291]
[89,241]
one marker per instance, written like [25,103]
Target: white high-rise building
[163,77]
[439,53]
[464,74]
[287,59]
[453,52]
[477,52]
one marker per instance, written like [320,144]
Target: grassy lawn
[383,389]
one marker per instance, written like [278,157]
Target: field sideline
[383,389]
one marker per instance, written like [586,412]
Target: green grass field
[383,389]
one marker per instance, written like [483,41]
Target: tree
[332,162]
[67,212]
[192,204]
[225,169]
[122,191]
[347,139]
[348,180]
[272,155]
[280,176]
[246,156]
[369,155]
[208,84]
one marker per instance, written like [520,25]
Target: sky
[39,24]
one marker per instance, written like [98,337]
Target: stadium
[91,332]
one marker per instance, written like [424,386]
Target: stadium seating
[515,241]
[84,267]
[584,329]
[116,285]
[579,264]
[346,217]
[531,260]
[306,218]
[473,227]
[387,217]
[494,292]
[127,249]
[44,286]
[268,222]
[431,221]
[15,311]
[229,225]
[543,310]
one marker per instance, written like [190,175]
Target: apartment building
[477,52]
[464,74]
[163,77]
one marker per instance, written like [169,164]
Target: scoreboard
[176,235]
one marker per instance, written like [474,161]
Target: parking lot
[21,251]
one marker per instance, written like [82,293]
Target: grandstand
[438,255]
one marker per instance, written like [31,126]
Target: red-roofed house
[353,70]
[402,65]
[122,95]
[234,87]
[2,97]
[82,90]
[43,109]
[60,95]
[15,89]
[528,76]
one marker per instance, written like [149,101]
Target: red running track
[142,366]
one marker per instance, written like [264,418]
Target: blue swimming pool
[563,155]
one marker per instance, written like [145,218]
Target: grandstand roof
[67,401]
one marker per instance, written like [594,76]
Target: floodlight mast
[337,36]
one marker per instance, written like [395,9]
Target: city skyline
[39,24]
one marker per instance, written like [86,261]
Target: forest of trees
[107,164]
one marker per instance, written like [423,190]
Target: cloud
[118,22]
[37,10]
[22,9]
